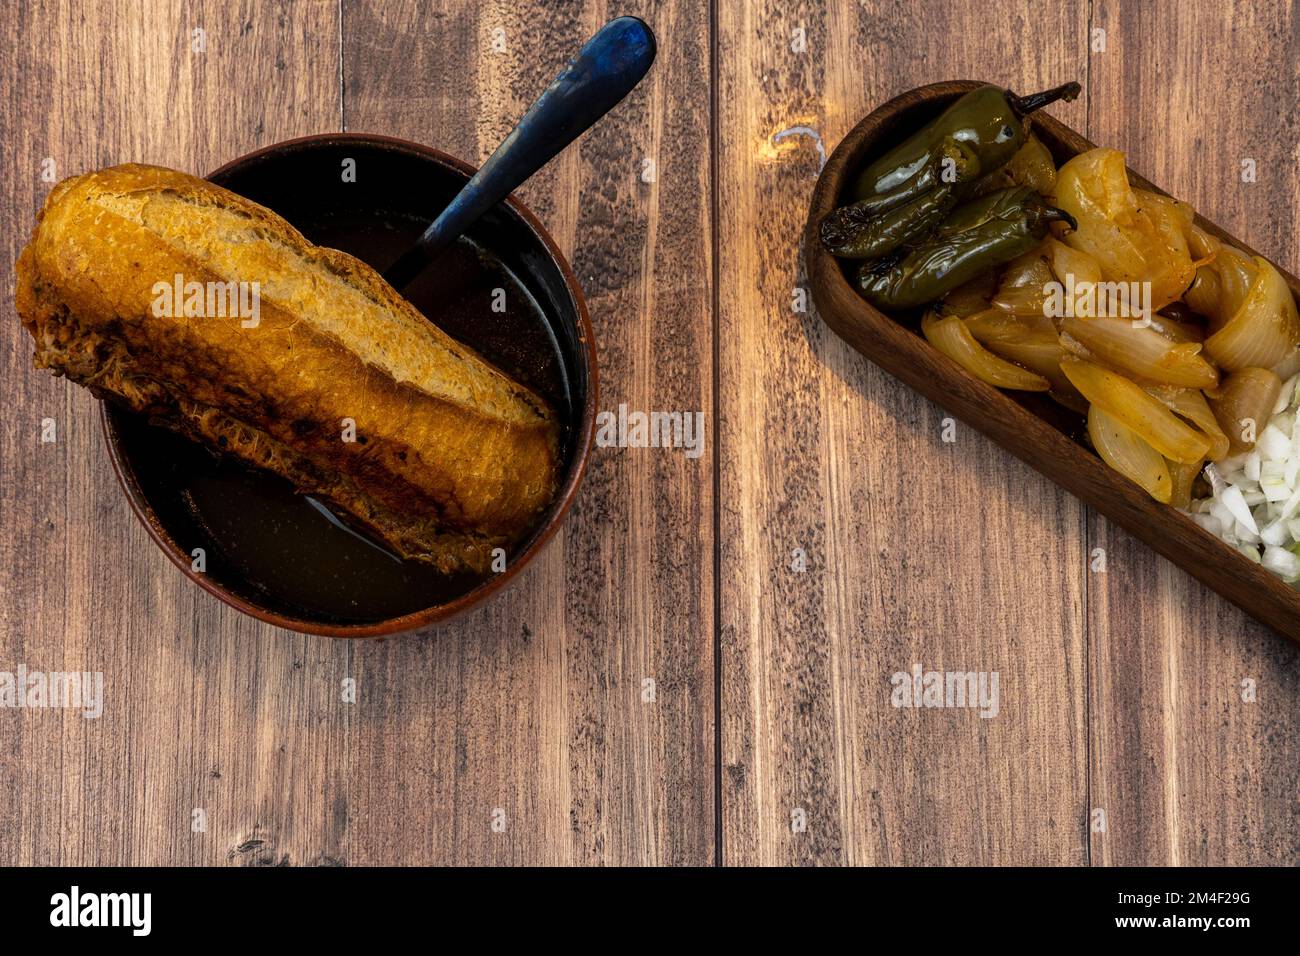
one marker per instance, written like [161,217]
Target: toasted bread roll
[451,457]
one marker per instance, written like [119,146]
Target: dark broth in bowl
[261,538]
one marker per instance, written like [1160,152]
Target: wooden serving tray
[1030,426]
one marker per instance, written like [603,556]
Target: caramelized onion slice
[1182,475]
[1244,405]
[972,297]
[1190,403]
[1176,330]
[951,337]
[1220,287]
[1144,413]
[1134,236]
[1022,289]
[1121,448]
[1067,261]
[1042,352]
[1031,341]
[1264,329]
[1169,261]
[1075,269]
[995,325]
[1203,246]
[1205,295]
[1142,352]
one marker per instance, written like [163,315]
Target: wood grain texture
[1119,691]
[532,708]
[1188,772]
[203,708]
[535,705]
[948,555]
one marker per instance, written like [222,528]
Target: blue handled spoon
[605,70]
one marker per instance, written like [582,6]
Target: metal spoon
[605,70]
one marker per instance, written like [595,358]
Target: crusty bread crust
[451,457]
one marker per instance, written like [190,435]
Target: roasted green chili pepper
[1001,206]
[851,233]
[979,236]
[876,226]
[953,163]
[987,119]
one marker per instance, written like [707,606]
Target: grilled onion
[995,325]
[972,297]
[1073,265]
[1164,225]
[1183,476]
[1022,291]
[1042,353]
[1205,293]
[1142,352]
[1122,449]
[951,337]
[1135,236]
[1190,403]
[1244,404]
[1030,341]
[1220,288]
[1144,413]
[1176,330]
[1203,246]
[1263,330]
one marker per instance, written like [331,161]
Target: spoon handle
[605,70]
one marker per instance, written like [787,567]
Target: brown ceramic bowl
[276,554]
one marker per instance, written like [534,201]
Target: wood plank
[534,705]
[953,556]
[1119,690]
[1187,772]
[203,709]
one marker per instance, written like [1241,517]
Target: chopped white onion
[1274,444]
[1215,479]
[1274,534]
[1254,502]
[1236,504]
[1272,481]
[1209,523]
[1282,562]
[1286,395]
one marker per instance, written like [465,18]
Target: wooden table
[526,733]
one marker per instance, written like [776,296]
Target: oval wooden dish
[1030,426]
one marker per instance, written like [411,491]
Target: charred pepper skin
[1000,206]
[953,163]
[979,236]
[849,233]
[987,120]
[877,226]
